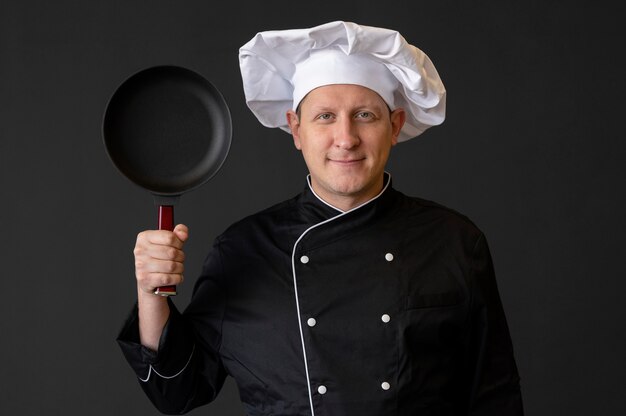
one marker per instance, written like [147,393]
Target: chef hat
[280,67]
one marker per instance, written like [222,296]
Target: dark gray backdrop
[532,151]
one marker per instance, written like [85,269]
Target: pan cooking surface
[167,129]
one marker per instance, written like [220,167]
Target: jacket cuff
[175,346]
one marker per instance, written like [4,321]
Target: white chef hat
[280,67]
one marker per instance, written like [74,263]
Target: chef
[350,298]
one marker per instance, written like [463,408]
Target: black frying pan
[168,130]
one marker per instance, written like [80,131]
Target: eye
[324,116]
[366,115]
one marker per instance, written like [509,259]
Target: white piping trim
[147,378]
[151,369]
[308,181]
[295,282]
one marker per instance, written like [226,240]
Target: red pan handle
[166,222]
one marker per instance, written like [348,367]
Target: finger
[151,281]
[146,252]
[182,232]
[153,251]
[159,266]
[166,266]
[160,237]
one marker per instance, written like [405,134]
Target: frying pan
[168,130]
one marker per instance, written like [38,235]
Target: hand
[159,258]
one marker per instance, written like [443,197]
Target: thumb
[182,232]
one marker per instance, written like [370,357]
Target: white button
[304,259]
[389,257]
[311,322]
[385,318]
[321,389]
[385,386]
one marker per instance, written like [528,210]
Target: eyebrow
[365,106]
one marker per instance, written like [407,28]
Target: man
[351,298]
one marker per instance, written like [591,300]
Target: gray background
[532,151]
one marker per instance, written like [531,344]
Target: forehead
[342,95]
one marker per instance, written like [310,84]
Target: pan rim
[225,127]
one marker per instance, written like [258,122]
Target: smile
[346,162]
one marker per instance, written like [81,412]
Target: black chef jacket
[390,308]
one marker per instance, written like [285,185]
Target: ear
[398,117]
[294,124]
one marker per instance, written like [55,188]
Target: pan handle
[166,222]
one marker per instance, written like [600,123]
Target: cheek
[314,143]
[310,156]
[381,147]
[296,143]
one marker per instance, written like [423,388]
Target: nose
[346,134]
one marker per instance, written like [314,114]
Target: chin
[347,188]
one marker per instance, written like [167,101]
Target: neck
[346,202]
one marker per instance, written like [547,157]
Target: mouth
[346,162]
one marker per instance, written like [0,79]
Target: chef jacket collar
[318,210]
[386,183]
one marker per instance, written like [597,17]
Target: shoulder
[424,213]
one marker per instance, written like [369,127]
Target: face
[345,133]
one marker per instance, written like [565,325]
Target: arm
[494,379]
[159,261]
[176,367]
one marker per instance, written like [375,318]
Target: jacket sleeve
[494,380]
[186,371]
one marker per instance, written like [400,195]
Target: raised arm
[159,259]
